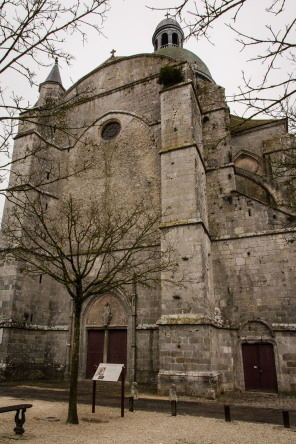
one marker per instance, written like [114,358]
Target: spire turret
[54,75]
[52,88]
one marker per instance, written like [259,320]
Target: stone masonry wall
[255,277]
[186,353]
[252,140]
[232,214]
[36,354]
[147,354]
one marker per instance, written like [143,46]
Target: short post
[131,404]
[134,395]
[227,413]
[94,397]
[173,399]
[122,391]
[286,419]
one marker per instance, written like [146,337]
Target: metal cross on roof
[167,15]
[112,53]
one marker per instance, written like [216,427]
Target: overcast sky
[130,25]
[129,28]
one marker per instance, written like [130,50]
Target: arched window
[156,45]
[249,163]
[164,39]
[247,185]
[175,39]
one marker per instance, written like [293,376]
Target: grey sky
[129,27]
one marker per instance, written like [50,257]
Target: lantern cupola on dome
[168,33]
[168,41]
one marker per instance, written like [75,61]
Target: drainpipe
[133,335]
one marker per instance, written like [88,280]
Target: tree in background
[276,43]
[32,33]
[90,250]
[270,90]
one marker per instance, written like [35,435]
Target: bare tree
[32,33]
[275,44]
[37,165]
[90,250]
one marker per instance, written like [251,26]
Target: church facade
[225,211]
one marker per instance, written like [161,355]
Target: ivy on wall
[170,75]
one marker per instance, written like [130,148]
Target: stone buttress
[187,340]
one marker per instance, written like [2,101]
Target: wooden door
[116,353]
[117,347]
[259,367]
[95,351]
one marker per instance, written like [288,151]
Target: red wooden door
[259,367]
[117,347]
[95,350]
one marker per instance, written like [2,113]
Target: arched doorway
[106,327]
[258,356]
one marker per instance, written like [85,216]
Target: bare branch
[273,44]
[31,35]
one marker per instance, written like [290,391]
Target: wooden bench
[19,421]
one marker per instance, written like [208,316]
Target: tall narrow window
[156,45]
[175,39]
[164,39]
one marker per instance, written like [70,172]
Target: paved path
[154,403]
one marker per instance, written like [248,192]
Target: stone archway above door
[106,327]
[255,329]
[107,311]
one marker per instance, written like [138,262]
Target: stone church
[232,325]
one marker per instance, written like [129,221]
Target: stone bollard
[173,399]
[286,419]
[227,413]
[134,395]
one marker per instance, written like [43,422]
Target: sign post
[122,390]
[109,373]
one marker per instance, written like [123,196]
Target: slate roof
[54,75]
[238,124]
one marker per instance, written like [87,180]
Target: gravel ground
[46,424]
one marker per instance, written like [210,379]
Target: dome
[183,54]
[167,23]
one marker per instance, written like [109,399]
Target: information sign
[108,372]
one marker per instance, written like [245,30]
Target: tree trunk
[72,408]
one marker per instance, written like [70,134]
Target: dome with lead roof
[168,40]
[182,54]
